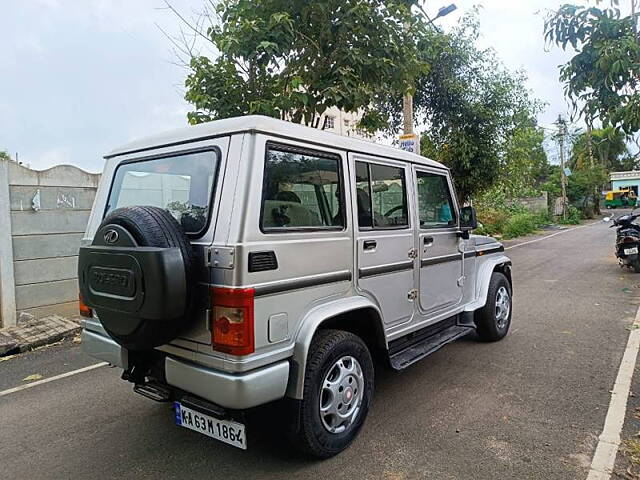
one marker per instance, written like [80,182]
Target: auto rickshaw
[622,198]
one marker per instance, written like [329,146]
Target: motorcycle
[627,240]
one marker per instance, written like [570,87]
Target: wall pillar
[7,280]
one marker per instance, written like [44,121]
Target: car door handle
[428,241]
[369,245]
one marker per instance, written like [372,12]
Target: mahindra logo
[110,236]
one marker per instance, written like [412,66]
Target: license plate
[630,251]
[224,430]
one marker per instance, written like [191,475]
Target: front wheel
[338,387]
[493,320]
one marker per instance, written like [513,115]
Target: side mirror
[468,219]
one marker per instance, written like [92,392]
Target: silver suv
[249,260]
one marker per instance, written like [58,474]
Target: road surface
[530,406]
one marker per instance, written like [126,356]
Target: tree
[601,79]
[606,146]
[4,155]
[294,59]
[472,107]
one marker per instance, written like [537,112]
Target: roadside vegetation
[294,61]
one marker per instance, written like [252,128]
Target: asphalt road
[530,406]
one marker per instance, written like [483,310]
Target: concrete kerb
[36,333]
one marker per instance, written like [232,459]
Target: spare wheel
[138,276]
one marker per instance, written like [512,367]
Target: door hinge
[412,295]
[412,253]
[220,257]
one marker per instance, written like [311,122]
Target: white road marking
[51,379]
[552,235]
[605,455]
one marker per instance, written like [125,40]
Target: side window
[435,207]
[302,190]
[381,196]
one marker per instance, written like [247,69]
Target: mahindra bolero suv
[247,260]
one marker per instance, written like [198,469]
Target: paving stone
[37,332]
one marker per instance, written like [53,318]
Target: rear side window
[302,190]
[381,195]
[182,184]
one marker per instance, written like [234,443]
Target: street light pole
[407,98]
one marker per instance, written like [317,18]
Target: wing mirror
[468,219]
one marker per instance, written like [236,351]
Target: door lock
[412,295]
[412,253]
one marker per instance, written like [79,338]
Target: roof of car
[271,126]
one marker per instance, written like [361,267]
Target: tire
[492,324]
[313,435]
[636,265]
[149,227]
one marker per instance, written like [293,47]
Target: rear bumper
[235,391]
[229,390]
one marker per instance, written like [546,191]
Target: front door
[441,269]
[385,241]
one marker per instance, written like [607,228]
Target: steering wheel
[393,210]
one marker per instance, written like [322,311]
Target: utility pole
[562,133]
[409,140]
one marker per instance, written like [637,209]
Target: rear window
[182,184]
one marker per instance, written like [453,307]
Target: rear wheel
[338,388]
[493,320]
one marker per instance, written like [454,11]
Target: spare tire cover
[146,226]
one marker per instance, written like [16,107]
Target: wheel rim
[503,307]
[341,394]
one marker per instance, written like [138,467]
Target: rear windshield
[182,184]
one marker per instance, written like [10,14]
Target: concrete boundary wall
[43,216]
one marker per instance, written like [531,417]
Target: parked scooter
[627,240]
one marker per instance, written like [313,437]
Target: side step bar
[426,346]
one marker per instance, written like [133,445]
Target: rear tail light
[85,310]
[232,320]
[629,239]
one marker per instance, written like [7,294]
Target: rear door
[384,237]
[441,270]
[187,181]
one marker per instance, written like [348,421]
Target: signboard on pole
[410,143]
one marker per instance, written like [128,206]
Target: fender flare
[309,325]
[483,278]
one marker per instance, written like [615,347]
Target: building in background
[343,123]
[620,180]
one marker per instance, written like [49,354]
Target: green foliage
[520,224]
[474,107]
[601,80]
[4,155]
[574,216]
[607,146]
[510,222]
[293,60]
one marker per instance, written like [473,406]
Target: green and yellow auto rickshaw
[622,198]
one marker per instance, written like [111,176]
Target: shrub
[573,216]
[521,224]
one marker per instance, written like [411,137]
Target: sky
[81,77]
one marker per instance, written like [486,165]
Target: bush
[492,220]
[521,224]
[573,216]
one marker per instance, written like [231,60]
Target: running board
[426,346]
